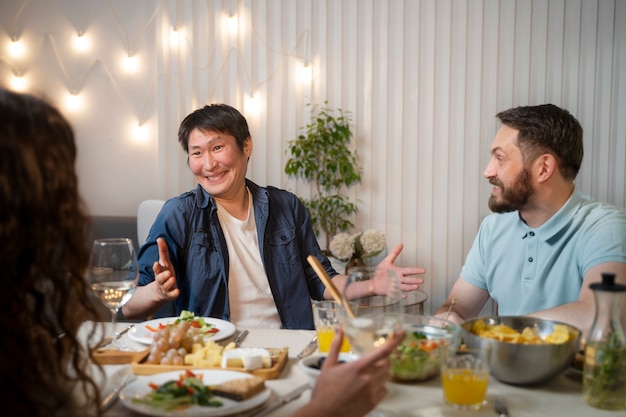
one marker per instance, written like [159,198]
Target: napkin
[110,377]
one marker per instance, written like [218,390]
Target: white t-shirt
[251,301]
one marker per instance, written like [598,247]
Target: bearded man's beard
[513,197]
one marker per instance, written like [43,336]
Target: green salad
[417,358]
[180,394]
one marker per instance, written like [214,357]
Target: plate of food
[204,327]
[195,393]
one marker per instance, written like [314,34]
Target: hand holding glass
[113,273]
[377,316]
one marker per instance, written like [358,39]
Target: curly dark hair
[43,230]
[551,129]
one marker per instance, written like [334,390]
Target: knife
[308,349]
[237,340]
[282,400]
[110,399]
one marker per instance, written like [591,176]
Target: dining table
[560,396]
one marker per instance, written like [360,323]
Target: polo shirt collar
[559,221]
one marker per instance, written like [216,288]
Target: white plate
[140,333]
[140,387]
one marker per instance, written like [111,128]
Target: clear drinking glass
[465,376]
[113,274]
[327,315]
[384,282]
[376,316]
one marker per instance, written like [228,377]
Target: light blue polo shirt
[527,270]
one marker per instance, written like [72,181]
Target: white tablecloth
[559,397]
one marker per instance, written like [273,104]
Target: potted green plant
[322,155]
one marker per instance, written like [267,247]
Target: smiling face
[218,164]
[507,173]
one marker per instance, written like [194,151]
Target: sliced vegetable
[179,394]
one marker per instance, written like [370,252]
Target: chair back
[146,213]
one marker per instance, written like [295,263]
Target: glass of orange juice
[465,376]
[327,315]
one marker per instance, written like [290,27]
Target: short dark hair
[547,129]
[220,118]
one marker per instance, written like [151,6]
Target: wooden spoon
[321,272]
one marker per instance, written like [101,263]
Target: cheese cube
[247,358]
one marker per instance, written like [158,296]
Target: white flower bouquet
[367,244]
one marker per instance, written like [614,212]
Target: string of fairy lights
[235,23]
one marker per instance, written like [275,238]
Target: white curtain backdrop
[423,80]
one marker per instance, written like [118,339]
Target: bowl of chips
[524,350]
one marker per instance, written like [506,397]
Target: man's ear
[247,146]
[545,166]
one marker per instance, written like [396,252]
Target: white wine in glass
[113,274]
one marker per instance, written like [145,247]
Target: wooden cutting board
[117,357]
[279,360]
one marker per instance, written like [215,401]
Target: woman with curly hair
[43,230]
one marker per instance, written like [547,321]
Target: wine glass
[376,316]
[113,274]
[383,282]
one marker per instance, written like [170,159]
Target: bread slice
[239,389]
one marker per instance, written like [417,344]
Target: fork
[499,406]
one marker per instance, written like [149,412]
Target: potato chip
[560,334]
[528,335]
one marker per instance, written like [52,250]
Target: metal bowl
[523,364]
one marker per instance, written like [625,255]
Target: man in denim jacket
[231,249]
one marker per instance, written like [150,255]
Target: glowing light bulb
[82,42]
[252,105]
[233,24]
[17,48]
[230,24]
[73,102]
[140,132]
[305,72]
[19,83]
[130,63]
[176,36]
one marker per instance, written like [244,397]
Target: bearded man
[545,242]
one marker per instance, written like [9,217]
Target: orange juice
[464,387]
[325,336]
